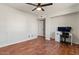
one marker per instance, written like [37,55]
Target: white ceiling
[49,10]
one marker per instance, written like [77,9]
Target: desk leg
[71,40]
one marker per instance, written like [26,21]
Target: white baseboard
[47,38]
[76,42]
[69,41]
[18,42]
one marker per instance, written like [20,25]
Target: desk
[57,36]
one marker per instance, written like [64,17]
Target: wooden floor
[40,46]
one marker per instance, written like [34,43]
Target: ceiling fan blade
[47,4]
[34,9]
[31,4]
[42,9]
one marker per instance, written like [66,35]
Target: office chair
[64,36]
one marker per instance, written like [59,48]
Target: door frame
[44,26]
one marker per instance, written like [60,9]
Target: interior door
[41,28]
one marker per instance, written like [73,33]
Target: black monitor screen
[64,29]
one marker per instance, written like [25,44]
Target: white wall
[16,26]
[64,20]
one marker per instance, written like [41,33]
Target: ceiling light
[39,8]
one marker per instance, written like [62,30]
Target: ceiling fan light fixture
[39,8]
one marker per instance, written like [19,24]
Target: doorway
[41,27]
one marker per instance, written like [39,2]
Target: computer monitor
[64,29]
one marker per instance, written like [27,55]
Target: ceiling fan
[39,6]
